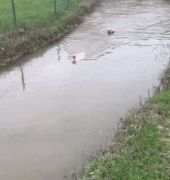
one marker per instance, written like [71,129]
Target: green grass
[141,149]
[142,160]
[30,11]
[36,15]
[163,102]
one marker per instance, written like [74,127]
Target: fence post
[55,10]
[14,14]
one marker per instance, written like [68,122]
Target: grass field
[141,149]
[31,12]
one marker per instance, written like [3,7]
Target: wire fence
[18,13]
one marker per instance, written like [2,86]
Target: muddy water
[53,113]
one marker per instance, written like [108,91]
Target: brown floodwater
[54,113]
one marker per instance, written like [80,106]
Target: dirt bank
[24,41]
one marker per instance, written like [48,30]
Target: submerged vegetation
[141,147]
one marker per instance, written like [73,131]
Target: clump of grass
[163,103]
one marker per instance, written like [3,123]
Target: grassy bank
[38,25]
[141,147]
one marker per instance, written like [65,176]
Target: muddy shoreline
[25,44]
